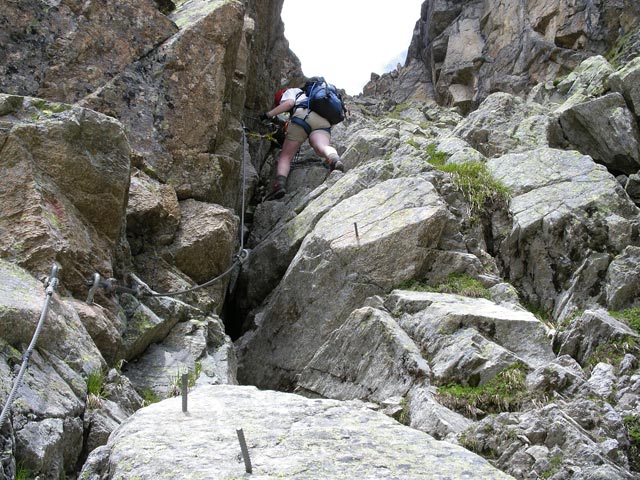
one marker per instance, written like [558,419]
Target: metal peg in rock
[185,391]
[245,451]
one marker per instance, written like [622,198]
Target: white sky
[352,38]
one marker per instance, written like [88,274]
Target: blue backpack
[324,99]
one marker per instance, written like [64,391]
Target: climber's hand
[264,118]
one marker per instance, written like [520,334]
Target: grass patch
[95,389]
[474,180]
[50,108]
[404,415]
[397,111]
[555,462]
[22,472]
[458,283]
[538,312]
[436,157]
[192,377]
[149,397]
[632,425]
[621,47]
[504,393]
[414,144]
[95,382]
[630,316]
[463,285]
[613,352]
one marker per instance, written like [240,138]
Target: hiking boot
[279,189]
[334,163]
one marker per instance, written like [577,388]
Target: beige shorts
[319,126]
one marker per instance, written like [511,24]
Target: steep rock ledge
[361,286]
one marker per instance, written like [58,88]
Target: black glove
[264,118]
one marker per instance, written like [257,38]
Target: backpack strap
[303,104]
[302,122]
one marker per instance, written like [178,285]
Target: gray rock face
[554,192]
[153,212]
[396,354]
[197,348]
[66,176]
[368,357]
[591,330]
[504,123]
[435,320]
[46,418]
[467,50]
[544,438]
[626,81]
[63,334]
[287,436]
[149,190]
[605,129]
[63,50]
[622,279]
[399,223]
[205,241]
[565,243]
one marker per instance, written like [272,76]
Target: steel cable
[52,283]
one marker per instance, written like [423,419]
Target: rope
[244,177]
[51,284]
[239,257]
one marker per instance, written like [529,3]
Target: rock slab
[288,436]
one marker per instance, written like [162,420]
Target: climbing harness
[143,290]
[51,283]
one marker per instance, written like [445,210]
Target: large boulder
[623,279]
[63,334]
[396,354]
[605,129]
[46,416]
[153,212]
[379,238]
[504,123]
[66,177]
[369,358]
[65,50]
[588,333]
[205,241]
[434,320]
[160,95]
[287,436]
[568,215]
[626,81]
[105,326]
[197,347]
[557,439]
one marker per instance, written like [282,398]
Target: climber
[304,124]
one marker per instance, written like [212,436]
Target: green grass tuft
[504,393]
[474,180]
[622,46]
[630,316]
[22,472]
[436,157]
[149,397]
[632,425]
[95,383]
[613,352]
[458,283]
